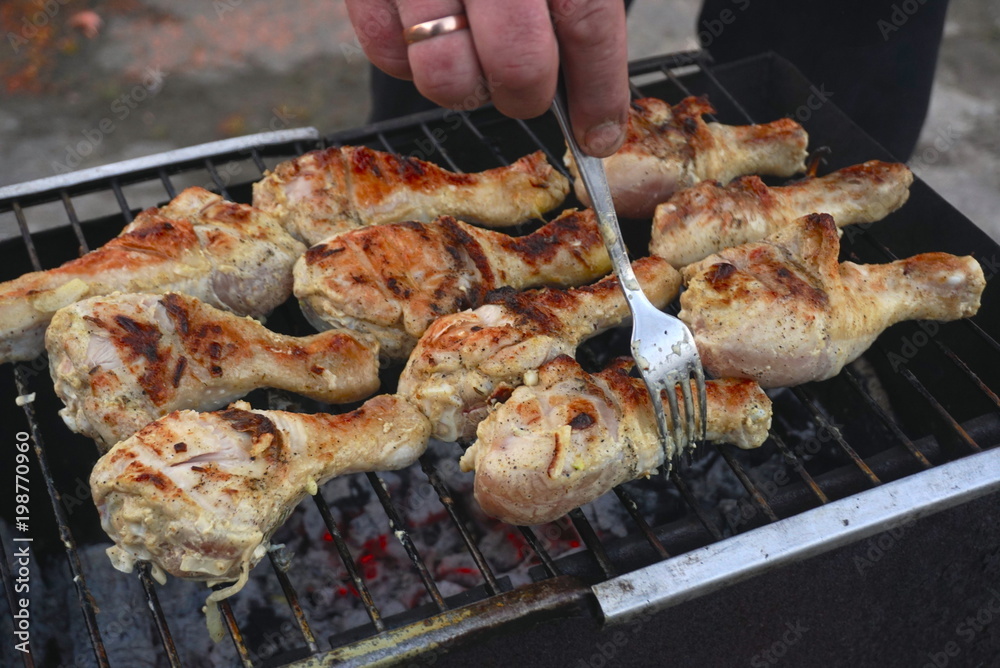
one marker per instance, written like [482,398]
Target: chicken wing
[122,361]
[200,494]
[669,148]
[573,436]
[393,280]
[467,360]
[229,255]
[328,192]
[784,312]
[702,220]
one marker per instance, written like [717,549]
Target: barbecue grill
[904,433]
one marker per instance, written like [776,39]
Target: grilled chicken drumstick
[466,360]
[331,191]
[702,220]
[229,255]
[572,437]
[200,494]
[392,281]
[669,148]
[122,361]
[784,312]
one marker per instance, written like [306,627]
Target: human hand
[515,48]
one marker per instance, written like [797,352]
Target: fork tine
[690,425]
[699,375]
[675,415]
[661,423]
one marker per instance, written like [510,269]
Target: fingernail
[604,139]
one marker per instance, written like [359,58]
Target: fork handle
[591,170]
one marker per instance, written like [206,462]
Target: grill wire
[596,550]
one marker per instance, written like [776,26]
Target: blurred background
[88,82]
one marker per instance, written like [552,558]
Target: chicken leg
[393,280]
[328,192]
[466,361]
[784,312]
[200,494]
[702,220]
[229,255]
[669,148]
[122,361]
[573,436]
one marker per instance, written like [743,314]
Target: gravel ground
[153,75]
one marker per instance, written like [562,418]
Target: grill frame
[565,585]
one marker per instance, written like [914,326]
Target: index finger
[593,51]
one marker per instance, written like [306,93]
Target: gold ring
[428,29]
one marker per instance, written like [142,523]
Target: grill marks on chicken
[334,190]
[468,360]
[574,436]
[200,494]
[784,312]
[702,220]
[122,361]
[229,255]
[669,148]
[394,280]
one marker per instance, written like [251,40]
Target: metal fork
[663,347]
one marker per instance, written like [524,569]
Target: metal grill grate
[958,418]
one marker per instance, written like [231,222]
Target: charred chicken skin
[573,436]
[669,148]
[200,494]
[332,191]
[122,361]
[702,220]
[468,360]
[231,256]
[783,311]
[393,280]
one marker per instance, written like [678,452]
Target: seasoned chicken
[229,255]
[122,361]
[573,436]
[669,148]
[393,280]
[702,220]
[328,192]
[200,494]
[468,360]
[784,312]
